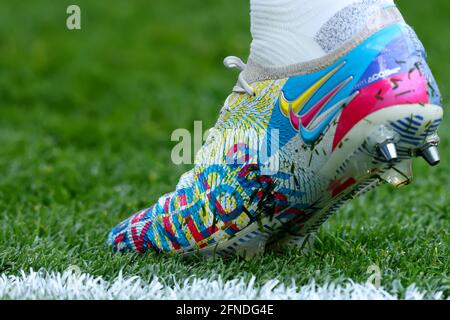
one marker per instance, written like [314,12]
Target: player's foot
[293,144]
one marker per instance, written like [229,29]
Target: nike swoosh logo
[298,104]
[312,123]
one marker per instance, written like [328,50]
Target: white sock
[292,31]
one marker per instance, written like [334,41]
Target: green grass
[85,124]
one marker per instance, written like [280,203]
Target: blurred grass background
[85,124]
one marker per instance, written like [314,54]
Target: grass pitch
[85,124]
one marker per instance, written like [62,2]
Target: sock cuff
[256,71]
[293,31]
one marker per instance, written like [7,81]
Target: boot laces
[242,85]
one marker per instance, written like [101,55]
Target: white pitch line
[70,285]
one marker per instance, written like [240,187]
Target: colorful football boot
[291,146]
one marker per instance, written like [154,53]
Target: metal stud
[431,155]
[389,151]
[400,174]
